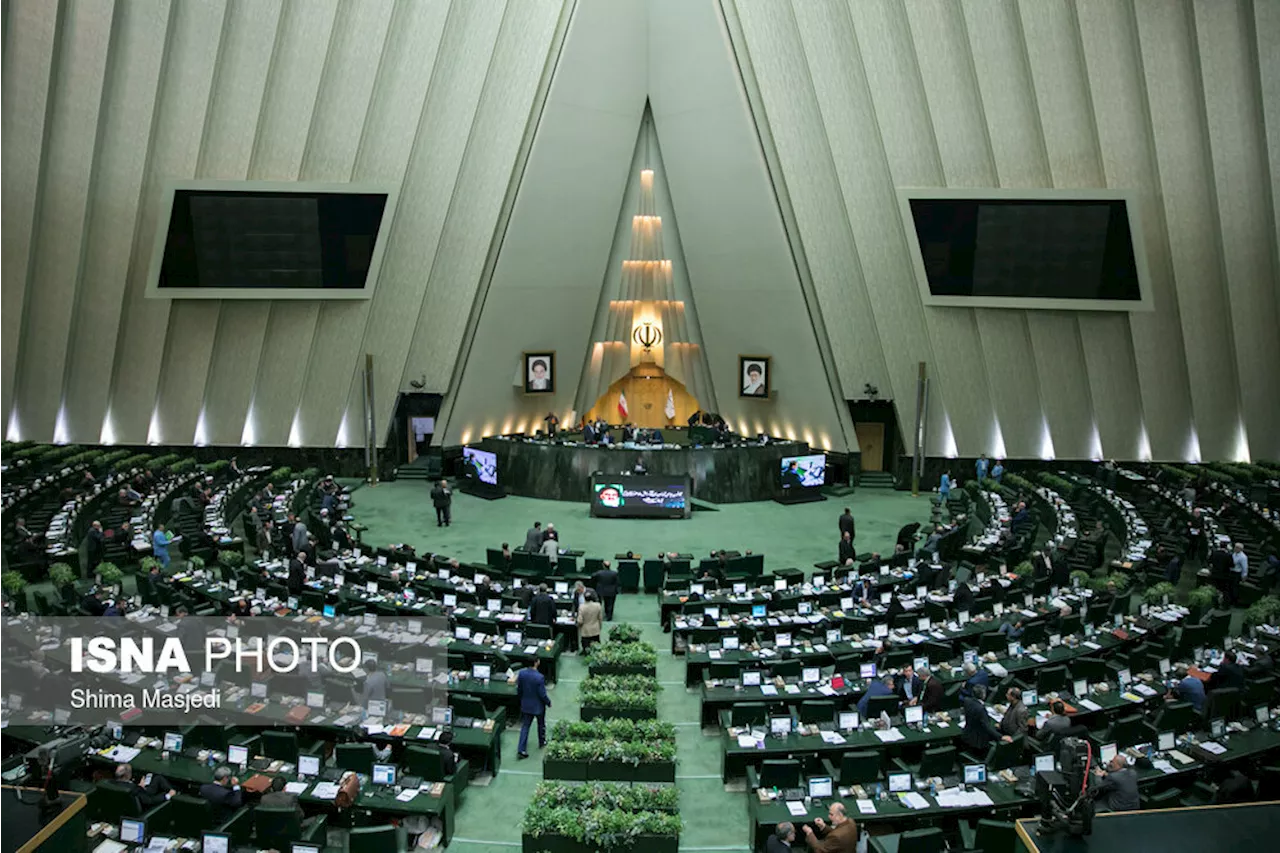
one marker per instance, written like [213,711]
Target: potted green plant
[1157,593]
[1264,611]
[566,759]
[229,559]
[1080,578]
[61,575]
[630,658]
[624,633]
[1201,600]
[196,563]
[15,585]
[109,574]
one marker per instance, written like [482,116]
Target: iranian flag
[622,405]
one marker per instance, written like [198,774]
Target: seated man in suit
[223,793]
[1229,674]
[448,758]
[278,797]
[153,791]
[1118,789]
[882,687]
[974,677]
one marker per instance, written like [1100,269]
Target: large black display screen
[1031,249]
[258,240]
[640,496]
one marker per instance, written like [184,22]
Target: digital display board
[640,496]
[804,472]
[481,465]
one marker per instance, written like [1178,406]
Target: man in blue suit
[882,687]
[531,691]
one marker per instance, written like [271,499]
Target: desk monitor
[490,603]
[751,679]
[782,641]
[1262,714]
[215,842]
[441,716]
[739,589]
[462,632]
[172,742]
[1030,697]
[867,670]
[713,612]
[133,831]
[731,643]
[1045,763]
[308,765]
[515,638]
[1106,752]
[757,611]
[914,714]
[315,699]
[295,847]
[377,707]
[780,726]
[899,783]
[780,584]
[697,589]
[1124,677]
[813,674]
[922,624]
[886,597]
[1217,727]
[481,671]
[997,609]
[450,599]
[237,755]
[1166,741]
[804,608]
[919,663]
[384,774]
[1080,688]
[975,774]
[848,720]
[562,587]
[371,587]
[820,787]
[846,603]
[834,635]
[330,611]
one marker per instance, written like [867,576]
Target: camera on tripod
[1066,794]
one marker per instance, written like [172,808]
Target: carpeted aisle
[714,820]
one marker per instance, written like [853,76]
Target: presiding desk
[563,472]
[1208,829]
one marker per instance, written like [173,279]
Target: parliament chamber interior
[640,426]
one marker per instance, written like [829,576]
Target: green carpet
[714,819]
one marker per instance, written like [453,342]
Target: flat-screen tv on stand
[480,473]
[801,478]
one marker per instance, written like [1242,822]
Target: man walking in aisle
[607,587]
[531,693]
[442,500]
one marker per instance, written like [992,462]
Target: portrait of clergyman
[539,372]
[753,375]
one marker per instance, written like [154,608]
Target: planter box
[621,771]
[587,713]
[569,771]
[564,844]
[623,669]
[655,771]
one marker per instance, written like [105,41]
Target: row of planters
[611,751]
[630,697]
[587,818]
[623,654]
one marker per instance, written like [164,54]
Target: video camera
[1066,795]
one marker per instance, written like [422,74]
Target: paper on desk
[747,741]
[866,807]
[1144,690]
[122,754]
[1132,697]
[1215,748]
[295,787]
[833,738]
[407,795]
[1163,766]
[1090,704]
[1090,644]
[796,809]
[792,688]
[890,735]
[827,690]
[768,690]
[1039,658]
[325,790]
[913,800]
[714,654]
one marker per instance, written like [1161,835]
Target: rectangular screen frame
[1130,198]
[169,189]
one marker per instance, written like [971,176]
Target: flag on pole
[670,410]
[622,405]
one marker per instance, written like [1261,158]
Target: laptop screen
[731,644]
[330,611]
[377,707]
[295,847]
[751,679]
[820,787]
[481,671]
[975,774]
[899,782]
[515,638]
[442,716]
[757,610]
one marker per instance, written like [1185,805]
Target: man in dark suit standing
[846,552]
[533,538]
[607,587]
[531,692]
[847,524]
[542,610]
[931,691]
[442,500]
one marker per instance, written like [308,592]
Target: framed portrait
[539,373]
[753,376]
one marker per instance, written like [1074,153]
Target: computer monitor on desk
[1106,752]
[975,774]
[133,831]
[899,783]
[237,754]
[914,714]
[384,774]
[780,726]
[1045,763]
[308,765]
[820,787]
[215,842]
[172,742]
[295,847]
[751,678]
[848,720]
[877,705]
[811,675]
[867,670]
[758,611]
[1166,741]
[441,716]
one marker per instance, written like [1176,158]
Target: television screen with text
[804,472]
[648,496]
